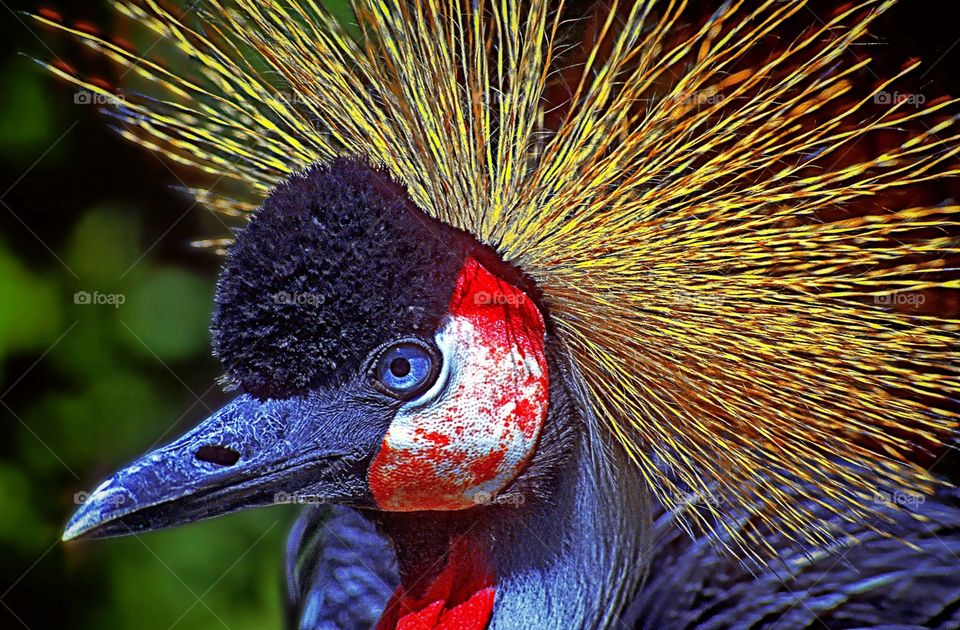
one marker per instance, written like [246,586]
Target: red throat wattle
[460,597]
[472,436]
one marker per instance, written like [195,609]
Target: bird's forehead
[337,262]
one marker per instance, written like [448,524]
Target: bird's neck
[573,557]
[578,557]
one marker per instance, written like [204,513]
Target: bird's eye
[406,369]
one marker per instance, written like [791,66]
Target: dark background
[85,388]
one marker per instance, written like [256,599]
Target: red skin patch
[473,614]
[85,27]
[50,14]
[475,435]
[460,598]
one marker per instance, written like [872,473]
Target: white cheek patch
[471,434]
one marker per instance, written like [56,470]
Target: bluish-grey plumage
[336,564]
[865,580]
[340,571]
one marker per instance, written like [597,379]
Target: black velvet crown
[336,262]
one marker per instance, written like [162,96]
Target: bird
[563,317]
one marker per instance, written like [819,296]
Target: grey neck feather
[579,557]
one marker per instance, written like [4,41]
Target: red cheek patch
[465,445]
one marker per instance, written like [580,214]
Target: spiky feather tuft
[715,242]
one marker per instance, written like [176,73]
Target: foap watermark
[114,499]
[293,98]
[89,97]
[297,299]
[703,497]
[899,497]
[895,98]
[693,299]
[282,498]
[698,98]
[904,298]
[486,298]
[86,298]
[485,99]
[514,499]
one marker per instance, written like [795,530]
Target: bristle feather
[733,336]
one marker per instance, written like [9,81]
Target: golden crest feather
[733,328]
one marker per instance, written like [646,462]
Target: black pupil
[399,367]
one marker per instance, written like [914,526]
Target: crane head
[385,360]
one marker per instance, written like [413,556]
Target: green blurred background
[84,388]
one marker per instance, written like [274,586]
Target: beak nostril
[219,455]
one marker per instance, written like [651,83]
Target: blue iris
[406,369]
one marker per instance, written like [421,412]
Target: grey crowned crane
[577,323]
